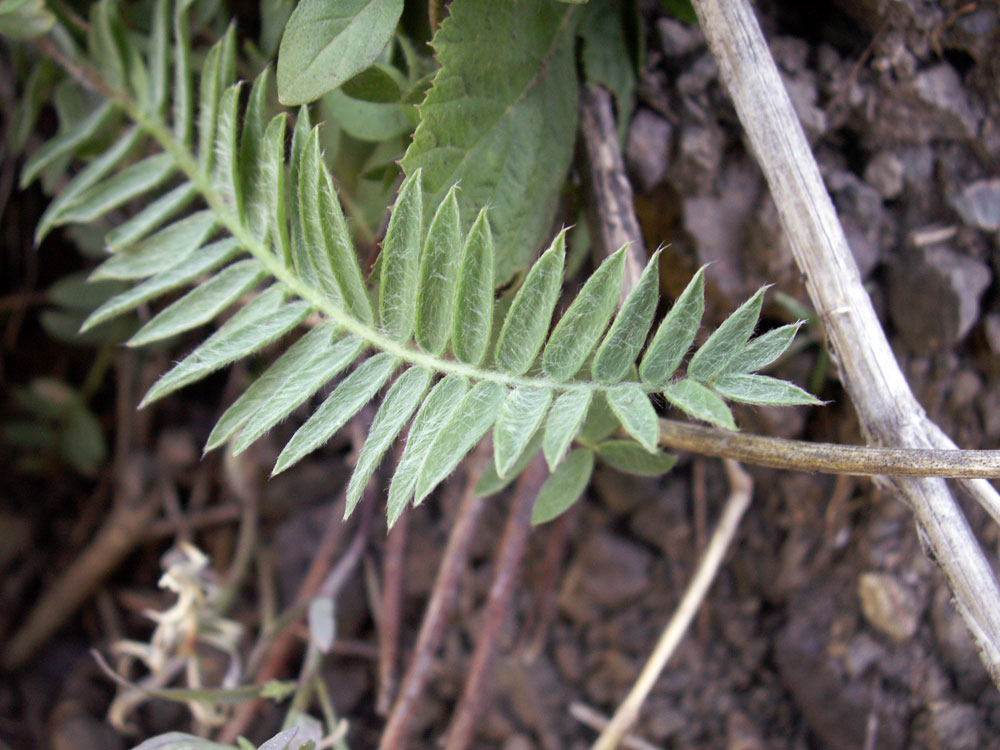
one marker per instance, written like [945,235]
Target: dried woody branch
[887,410]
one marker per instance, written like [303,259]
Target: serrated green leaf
[356,390]
[89,175]
[582,324]
[676,333]
[202,303]
[226,159]
[207,259]
[296,367]
[527,321]
[438,269]
[150,218]
[695,399]
[631,458]
[166,249]
[434,413]
[401,262]
[255,158]
[622,344]
[121,187]
[764,349]
[635,412]
[498,119]
[66,144]
[286,389]
[490,482]
[183,96]
[255,326]
[471,420]
[325,45]
[564,486]
[474,295]
[565,419]
[760,389]
[397,407]
[520,417]
[727,340]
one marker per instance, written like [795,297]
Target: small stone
[979,205]
[862,215]
[647,152]
[699,154]
[742,733]
[678,39]
[789,52]
[698,76]
[884,172]
[952,726]
[614,571]
[862,652]
[889,606]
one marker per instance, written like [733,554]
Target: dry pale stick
[887,410]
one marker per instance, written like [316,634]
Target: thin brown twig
[512,548]
[547,585]
[388,626]
[440,605]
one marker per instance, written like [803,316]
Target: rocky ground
[828,627]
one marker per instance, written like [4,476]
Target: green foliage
[261,232]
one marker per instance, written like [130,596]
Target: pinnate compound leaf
[252,328]
[166,249]
[499,118]
[635,412]
[520,417]
[585,320]
[469,422]
[565,419]
[292,388]
[325,44]
[725,343]
[438,270]
[433,415]
[527,322]
[564,486]
[676,333]
[296,366]
[695,399]
[764,349]
[356,390]
[761,389]
[631,458]
[622,344]
[473,320]
[400,402]
[401,261]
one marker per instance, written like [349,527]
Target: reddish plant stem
[512,549]
[388,626]
[440,606]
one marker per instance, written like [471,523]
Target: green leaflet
[469,422]
[356,390]
[632,407]
[474,294]
[167,248]
[159,56]
[152,216]
[490,482]
[564,486]
[25,19]
[520,417]
[723,345]
[315,260]
[67,143]
[209,86]
[398,406]
[288,388]
[605,53]
[764,349]
[760,389]
[179,741]
[226,158]
[527,322]
[340,251]
[268,196]
[183,97]
[582,324]
[632,458]
[499,118]
[256,155]
[208,258]
[434,413]
[698,401]
[103,45]
[326,44]
[294,368]
[438,270]
[676,333]
[202,304]
[297,240]
[401,261]
[252,328]
[622,344]
[600,422]
[565,419]
[124,186]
